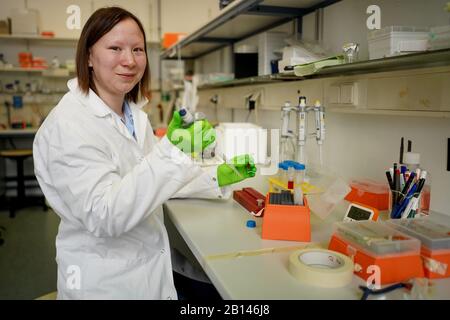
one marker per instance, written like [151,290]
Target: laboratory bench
[17,133]
[242,265]
[13,139]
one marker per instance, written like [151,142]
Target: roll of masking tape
[321,268]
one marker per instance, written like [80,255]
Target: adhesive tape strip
[321,268]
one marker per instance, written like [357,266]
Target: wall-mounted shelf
[252,80]
[239,20]
[35,38]
[17,69]
[380,112]
[36,93]
[417,60]
[43,72]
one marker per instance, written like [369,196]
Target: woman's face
[118,59]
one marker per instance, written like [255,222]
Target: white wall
[187,16]
[345,21]
[366,145]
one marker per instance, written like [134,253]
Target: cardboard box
[5,26]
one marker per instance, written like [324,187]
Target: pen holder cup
[286,222]
[402,201]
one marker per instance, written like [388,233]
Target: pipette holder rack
[286,222]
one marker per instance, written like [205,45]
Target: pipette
[301,128]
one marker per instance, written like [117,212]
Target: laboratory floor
[27,257]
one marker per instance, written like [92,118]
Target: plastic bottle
[299,172]
[291,177]
[298,195]
[210,151]
[411,160]
[55,63]
[282,172]
[187,117]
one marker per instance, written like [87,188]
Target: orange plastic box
[283,222]
[371,193]
[435,239]
[171,38]
[376,247]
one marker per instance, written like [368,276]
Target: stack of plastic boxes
[439,38]
[396,40]
[435,239]
[380,252]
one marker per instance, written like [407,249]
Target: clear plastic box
[376,239]
[235,138]
[395,40]
[439,37]
[433,235]
[369,192]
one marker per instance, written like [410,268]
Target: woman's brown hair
[98,24]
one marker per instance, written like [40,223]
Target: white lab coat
[108,190]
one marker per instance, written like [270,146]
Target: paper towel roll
[321,268]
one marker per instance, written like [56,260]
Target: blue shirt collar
[128,117]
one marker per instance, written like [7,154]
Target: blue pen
[401,207]
[407,185]
[403,170]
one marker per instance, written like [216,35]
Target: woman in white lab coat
[103,173]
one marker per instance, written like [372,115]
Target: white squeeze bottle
[187,117]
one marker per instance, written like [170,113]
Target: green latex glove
[193,139]
[239,168]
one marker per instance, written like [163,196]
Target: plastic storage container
[286,222]
[435,239]
[396,40]
[171,38]
[375,245]
[234,138]
[371,193]
[439,38]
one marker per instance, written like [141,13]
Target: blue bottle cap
[283,165]
[182,112]
[251,224]
[299,166]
